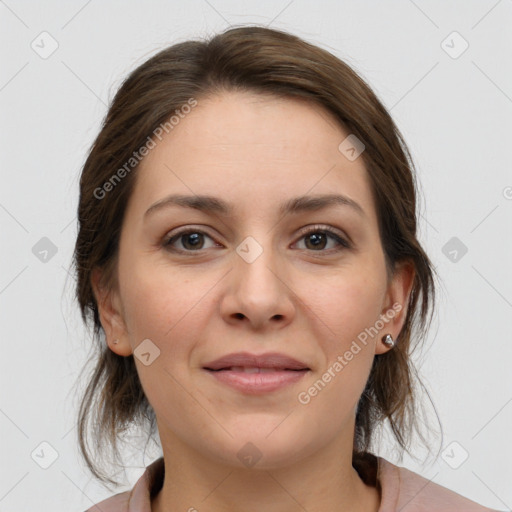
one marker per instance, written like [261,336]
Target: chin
[264,448]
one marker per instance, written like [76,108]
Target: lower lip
[257,383]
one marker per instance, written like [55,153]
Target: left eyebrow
[292,206]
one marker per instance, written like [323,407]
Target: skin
[307,301]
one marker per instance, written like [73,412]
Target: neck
[325,481]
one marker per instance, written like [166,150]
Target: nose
[258,292]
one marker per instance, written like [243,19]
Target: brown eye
[317,239]
[191,240]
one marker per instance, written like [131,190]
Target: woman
[247,251]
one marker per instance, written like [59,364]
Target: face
[308,283]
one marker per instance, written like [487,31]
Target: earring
[116,342]
[388,341]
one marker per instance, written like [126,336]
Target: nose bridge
[255,259]
[258,291]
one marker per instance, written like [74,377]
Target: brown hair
[265,61]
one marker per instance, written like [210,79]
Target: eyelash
[343,243]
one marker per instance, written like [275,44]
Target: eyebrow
[210,204]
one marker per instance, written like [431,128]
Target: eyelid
[326,228]
[183,231]
[340,236]
[344,241]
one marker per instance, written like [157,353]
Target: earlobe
[395,308]
[111,316]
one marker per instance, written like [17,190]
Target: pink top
[401,490]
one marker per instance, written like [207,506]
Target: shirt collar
[373,470]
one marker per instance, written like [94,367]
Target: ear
[111,315]
[394,311]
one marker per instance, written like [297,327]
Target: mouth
[256,380]
[256,369]
[256,373]
[255,362]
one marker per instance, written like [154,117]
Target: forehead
[246,146]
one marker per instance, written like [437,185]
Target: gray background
[455,112]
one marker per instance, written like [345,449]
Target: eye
[317,238]
[191,240]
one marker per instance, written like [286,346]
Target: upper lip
[248,360]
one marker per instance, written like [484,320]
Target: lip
[246,359]
[257,383]
[269,372]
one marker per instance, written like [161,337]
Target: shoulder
[139,498]
[402,489]
[117,503]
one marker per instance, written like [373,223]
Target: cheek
[347,307]
[350,304]
[164,306]
[173,309]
